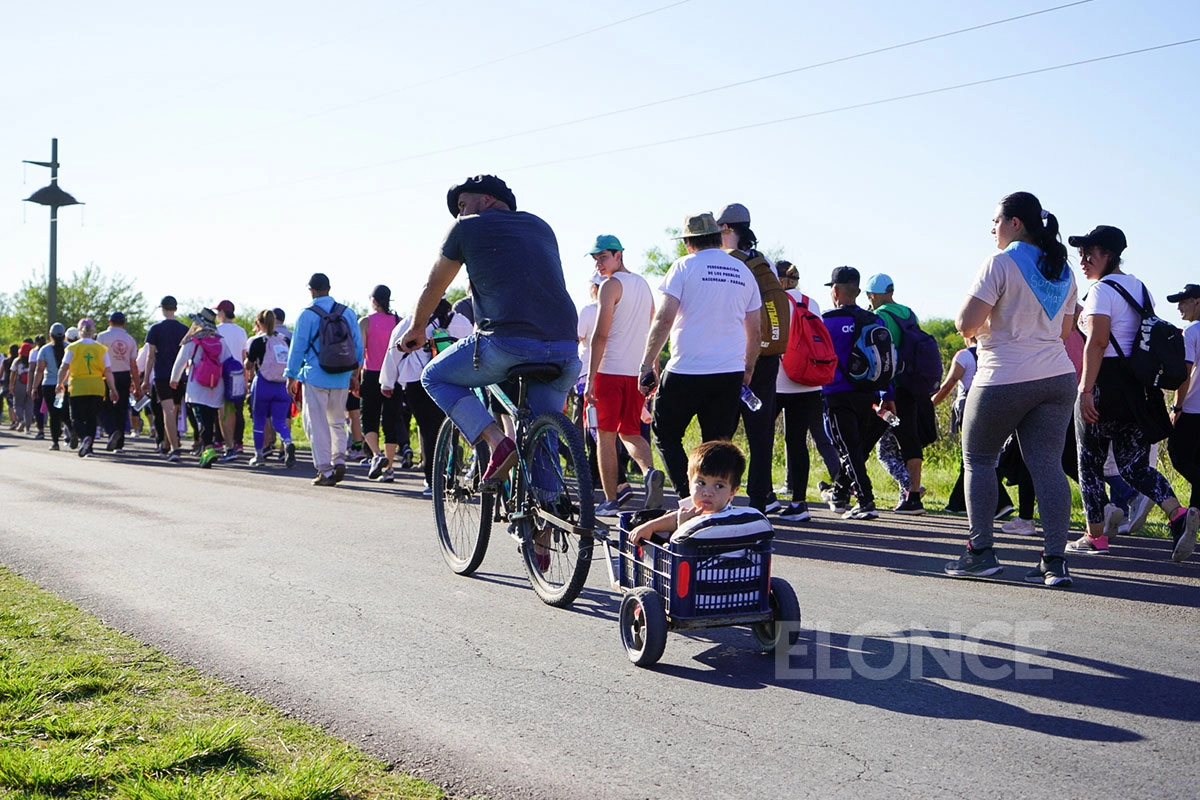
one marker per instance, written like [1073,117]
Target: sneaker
[974,564]
[406,458]
[773,505]
[911,505]
[1139,509]
[654,479]
[1113,517]
[1097,546]
[624,494]
[73,442]
[609,508]
[378,464]
[289,455]
[259,460]
[228,455]
[85,446]
[796,512]
[862,511]
[339,473]
[1051,571]
[1183,531]
[54,446]
[208,457]
[838,505]
[387,476]
[1020,527]
[502,460]
[112,442]
[1004,510]
[175,456]
[826,490]
[324,480]
[40,435]
[427,491]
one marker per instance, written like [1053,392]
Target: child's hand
[638,535]
[684,514]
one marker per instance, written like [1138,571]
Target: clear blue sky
[230,149]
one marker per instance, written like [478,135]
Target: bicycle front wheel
[462,512]
[555,531]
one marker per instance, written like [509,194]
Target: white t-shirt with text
[715,291]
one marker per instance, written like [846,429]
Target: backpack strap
[1144,310]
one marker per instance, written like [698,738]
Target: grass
[86,712]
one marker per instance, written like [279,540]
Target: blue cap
[879,283]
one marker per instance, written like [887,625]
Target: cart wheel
[785,618]
[643,626]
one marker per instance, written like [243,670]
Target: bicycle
[546,498]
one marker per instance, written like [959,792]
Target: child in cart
[714,475]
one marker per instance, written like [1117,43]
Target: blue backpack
[235,380]
[919,359]
[872,362]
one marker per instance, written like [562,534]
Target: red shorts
[619,404]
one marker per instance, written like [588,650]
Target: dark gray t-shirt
[165,335]
[517,285]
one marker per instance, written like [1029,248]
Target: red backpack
[809,359]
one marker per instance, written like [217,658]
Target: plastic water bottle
[888,417]
[592,421]
[750,399]
[59,395]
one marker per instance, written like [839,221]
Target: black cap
[1106,236]
[169,303]
[481,184]
[279,315]
[844,275]
[117,317]
[319,281]
[1190,292]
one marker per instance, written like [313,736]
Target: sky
[230,149]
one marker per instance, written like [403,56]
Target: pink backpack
[206,364]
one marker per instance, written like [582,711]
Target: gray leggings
[1039,412]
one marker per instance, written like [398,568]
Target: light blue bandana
[1050,293]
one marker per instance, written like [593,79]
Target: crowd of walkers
[1046,385]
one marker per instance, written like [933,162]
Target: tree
[658,261]
[89,293]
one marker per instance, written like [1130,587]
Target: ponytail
[1042,228]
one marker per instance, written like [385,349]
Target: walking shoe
[796,512]
[378,464]
[654,488]
[228,455]
[259,460]
[974,564]
[339,473]
[1021,527]
[773,505]
[175,456]
[1004,510]
[406,458]
[1051,571]
[624,494]
[54,446]
[208,457]
[73,442]
[1097,546]
[911,505]
[112,442]
[387,476]
[85,446]
[862,511]
[1113,516]
[40,435]
[324,480]
[502,460]
[826,490]
[289,455]
[427,491]
[1139,509]
[609,508]
[838,505]
[1183,531]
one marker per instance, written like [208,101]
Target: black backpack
[1157,359]
[336,353]
[871,365]
[919,367]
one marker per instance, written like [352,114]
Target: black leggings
[1184,448]
[429,420]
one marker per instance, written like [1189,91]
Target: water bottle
[59,395]
[592,422]
[750,399]
[888,417]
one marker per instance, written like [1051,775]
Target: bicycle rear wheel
[558,482]
[462,513]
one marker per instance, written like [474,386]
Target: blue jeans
[450,377]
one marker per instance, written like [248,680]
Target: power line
[825,112]
[653,103]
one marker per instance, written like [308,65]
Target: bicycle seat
[540,373]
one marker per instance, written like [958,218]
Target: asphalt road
[334,605]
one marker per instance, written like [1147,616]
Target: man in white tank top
[625,306]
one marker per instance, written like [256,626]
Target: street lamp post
[54,197]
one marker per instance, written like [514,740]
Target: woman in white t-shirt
[1021,308]
[1114,408]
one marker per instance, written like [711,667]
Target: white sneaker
[1113,516]
[1139,509]
[1020,527]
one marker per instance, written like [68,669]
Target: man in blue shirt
[523,313]
[323,410]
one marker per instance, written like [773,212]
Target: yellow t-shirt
[86,369]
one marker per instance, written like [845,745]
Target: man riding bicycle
[523,314]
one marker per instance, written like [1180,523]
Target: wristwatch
[1176,409]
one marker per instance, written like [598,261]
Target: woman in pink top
[376,333]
